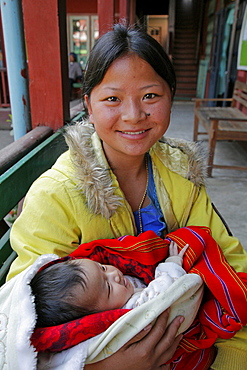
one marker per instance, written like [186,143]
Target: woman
[121,176]
[75,72]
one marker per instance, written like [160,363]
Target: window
[83,32]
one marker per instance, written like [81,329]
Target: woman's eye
[149,96]
[112,98]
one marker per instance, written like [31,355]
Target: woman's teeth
[133,133]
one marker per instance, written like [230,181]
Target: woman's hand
[148,350]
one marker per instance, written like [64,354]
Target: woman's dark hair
[54,293]
[121,41]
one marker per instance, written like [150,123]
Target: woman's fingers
[160,330]
[169,340]
[139,336]
[159,326]
[159,343]
[149,349]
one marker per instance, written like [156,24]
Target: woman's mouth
[133,132]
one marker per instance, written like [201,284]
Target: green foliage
[9,119]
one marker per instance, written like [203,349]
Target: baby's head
[75,288]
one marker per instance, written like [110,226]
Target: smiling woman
[118,105]
[121,176]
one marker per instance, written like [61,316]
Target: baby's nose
[115,275]
[117,278]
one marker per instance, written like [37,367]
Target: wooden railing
[4,89]
[20,164]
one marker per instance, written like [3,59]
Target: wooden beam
[47,61]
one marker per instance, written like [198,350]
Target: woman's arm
[47,224]
[148,350]
[203,214]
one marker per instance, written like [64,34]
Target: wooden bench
[20,164]
[222,123]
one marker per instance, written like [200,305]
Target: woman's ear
[89,108]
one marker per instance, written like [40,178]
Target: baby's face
[106,287]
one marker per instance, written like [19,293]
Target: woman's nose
[133,112]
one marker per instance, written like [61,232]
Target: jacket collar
[95,178]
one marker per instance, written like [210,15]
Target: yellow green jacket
[79,200]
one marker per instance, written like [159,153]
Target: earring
[147,114]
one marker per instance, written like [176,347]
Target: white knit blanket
[17,321]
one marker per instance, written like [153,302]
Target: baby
[78,287]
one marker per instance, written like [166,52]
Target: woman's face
[118,106]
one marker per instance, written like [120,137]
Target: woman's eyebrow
[149,86]
[111,88]
[141,88]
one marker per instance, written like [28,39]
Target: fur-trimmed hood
[196,154]
[93,171]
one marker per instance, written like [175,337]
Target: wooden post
[124,10]
[132,12]
[106,14]
[46,42]
[127,11]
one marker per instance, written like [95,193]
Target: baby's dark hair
[54,290]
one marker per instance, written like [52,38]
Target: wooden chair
[77,90]
[222,123]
